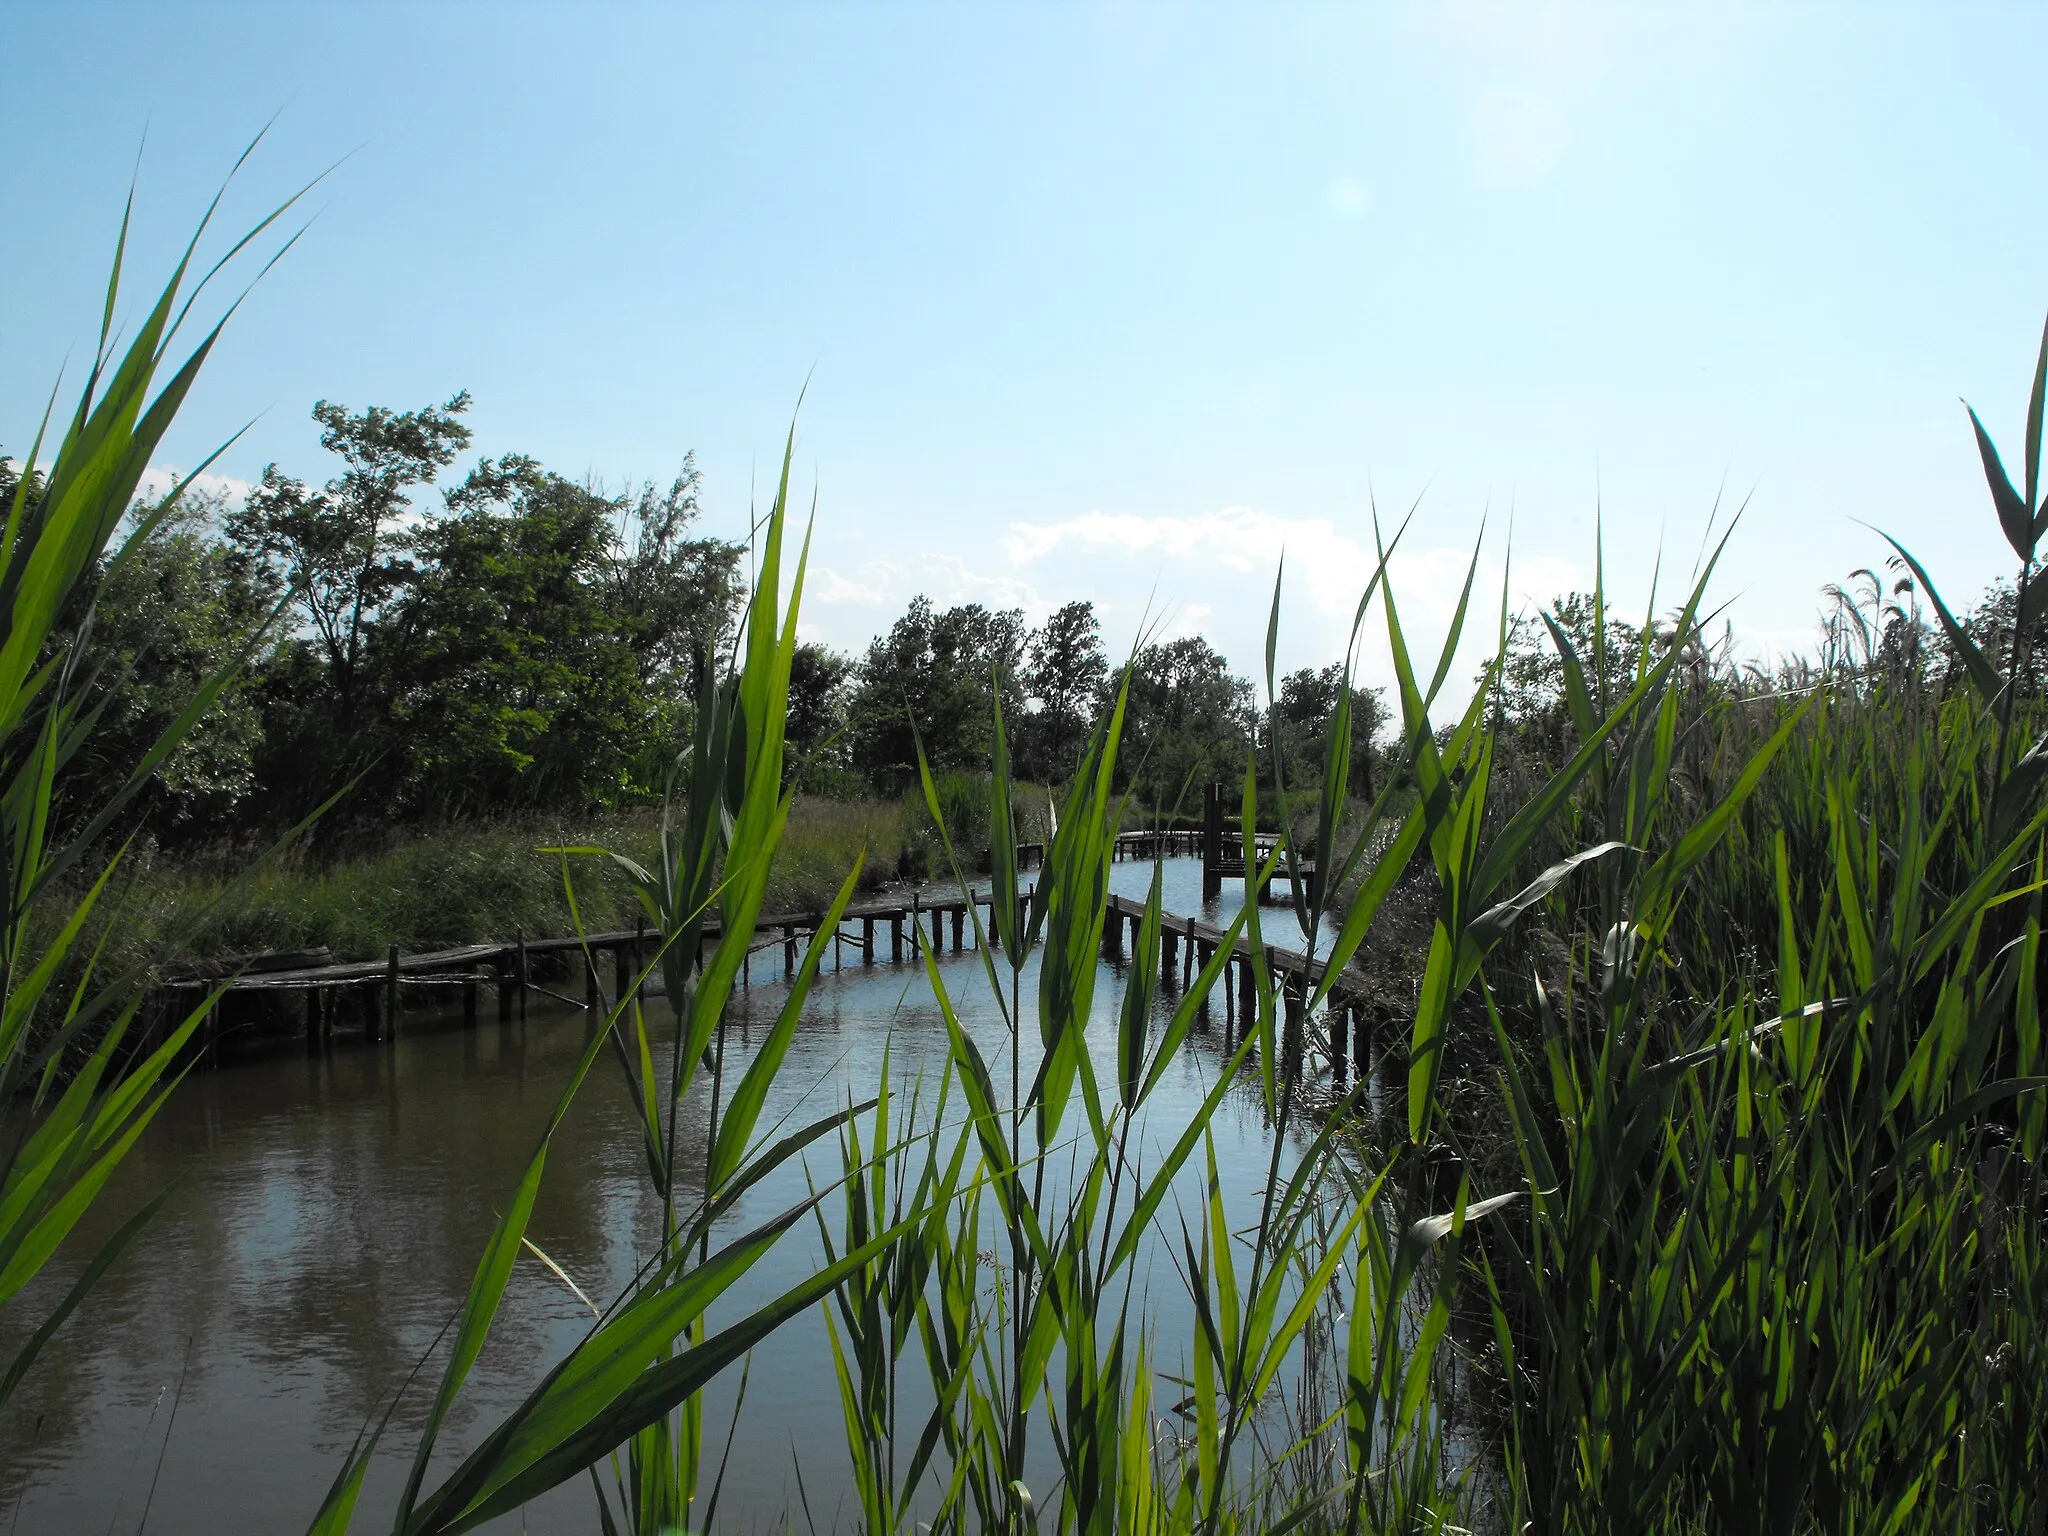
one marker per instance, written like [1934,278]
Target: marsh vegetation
[1701,1187]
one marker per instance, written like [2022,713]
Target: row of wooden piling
[371,995]
[1187,945]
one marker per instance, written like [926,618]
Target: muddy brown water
[326,1217]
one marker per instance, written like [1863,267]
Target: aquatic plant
[1716,1174]
[71,1052]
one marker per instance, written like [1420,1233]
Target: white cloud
[1211,573]
[946,579]
[871,585]
[1208,574]
[848,607]
[1240,537]
[158,479]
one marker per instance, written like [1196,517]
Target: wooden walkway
[1221,845]
[1351,1015]
[369,996]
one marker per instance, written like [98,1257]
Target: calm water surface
[326,1221]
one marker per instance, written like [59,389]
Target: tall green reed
[630,1392]
[71,1056]
[1753,976]
[1786,1186]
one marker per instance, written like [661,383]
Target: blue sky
[1111,301]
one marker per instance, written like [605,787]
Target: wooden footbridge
[1352,1015]
[1222,848]
[367,997]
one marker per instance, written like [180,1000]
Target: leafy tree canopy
[931,679]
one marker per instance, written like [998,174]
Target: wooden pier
[1221,844]
[368,996]
[1351,1014]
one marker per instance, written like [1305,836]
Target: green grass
[469,882]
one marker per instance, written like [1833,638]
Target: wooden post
[523,975]
[391,993]
[593,997]
[313,1040]
[788,950]
[209,1032]
[867,940]
[1113,934]
[896,938]
[504,989]
[1291,1038]
[469,1005]
[1338,1030]
[1169,957]
[371,1029]
[1361,1040]
[1247,994]
[959,926]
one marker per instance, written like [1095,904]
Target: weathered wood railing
[1352,1014]
[369,995]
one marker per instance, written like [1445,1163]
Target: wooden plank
[1291,962]
[509,961]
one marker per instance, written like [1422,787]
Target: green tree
[181,606]
[1300,718]
[1189,722]
[935,669]
[343,553]
[1063,677]
[679,593]
[514,680]
[820,688]
[1532,675]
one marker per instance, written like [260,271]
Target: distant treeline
[518,641]
[522,642]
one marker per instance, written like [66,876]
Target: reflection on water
[327,1218]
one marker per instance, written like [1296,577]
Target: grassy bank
[472,881]
[466,882]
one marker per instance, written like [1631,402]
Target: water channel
[326,1220]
